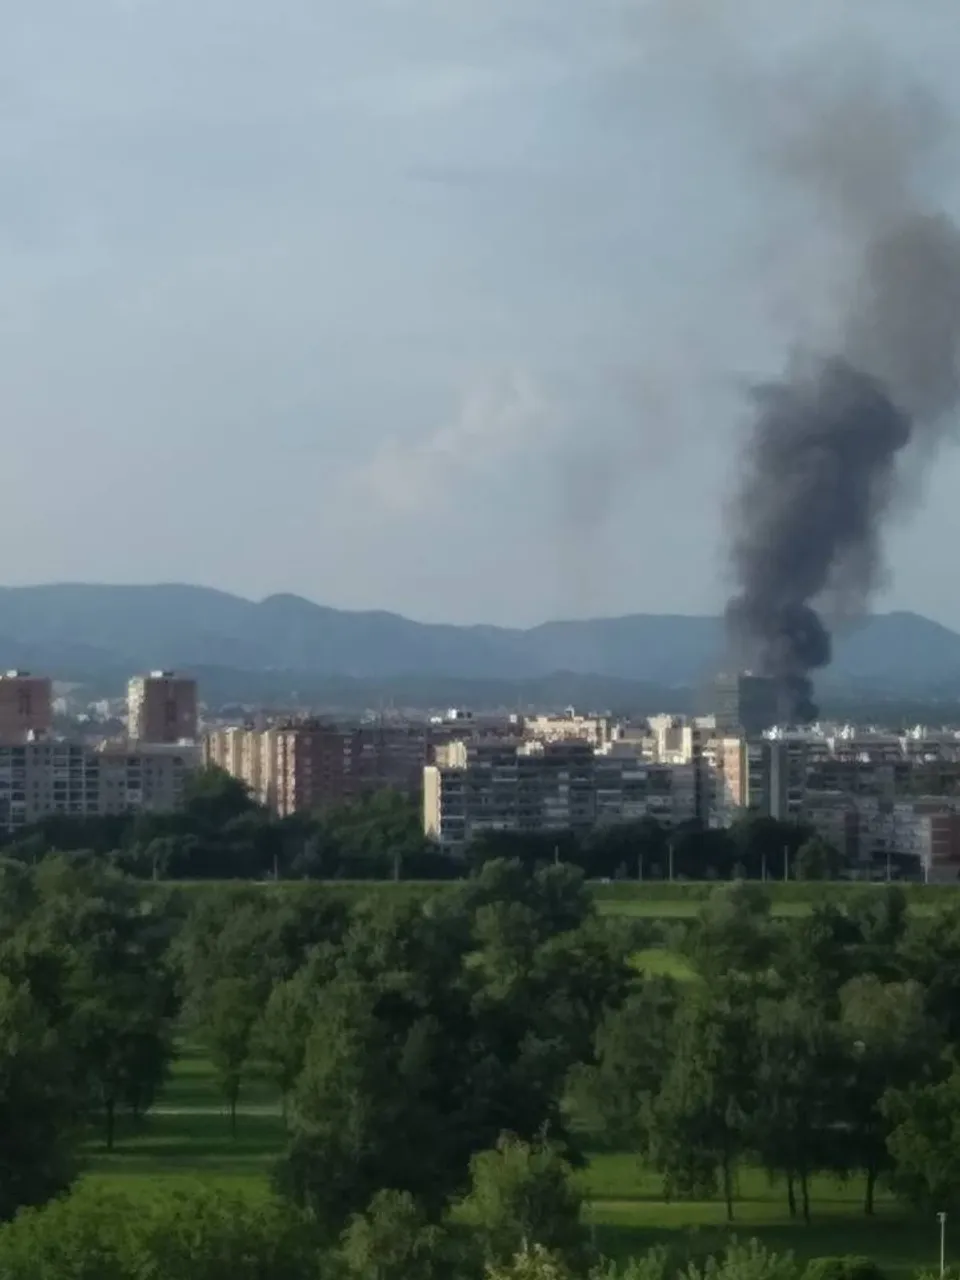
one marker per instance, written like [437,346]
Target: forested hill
[85,631]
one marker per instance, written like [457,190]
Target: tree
[200,1235]
[96,960]
[762,842]
[890,1043]
[797,1079]
[536,1263]
[213,798]
[847,1267]
[281,1034]
[229,1017]
[699,1120]
[384,1100]
[446,1022]
[394,1240]
[523,1194]
[38,1105]
[817,860]
[735,931]
[83,1236]
[210,1235]
[924,1143]
[930,953]
[615,1093]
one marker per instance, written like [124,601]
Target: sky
[446,307]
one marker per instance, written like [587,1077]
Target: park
[184,1141]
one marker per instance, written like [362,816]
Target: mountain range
[92,633]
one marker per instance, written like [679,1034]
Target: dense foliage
[445,1060]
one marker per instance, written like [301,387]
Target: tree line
[222,833]
[446,1061]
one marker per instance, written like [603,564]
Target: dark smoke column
[818,477]
[822,460]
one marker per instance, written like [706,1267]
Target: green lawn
[650,899]
[187,1137]
[626,1206]
[187,1141]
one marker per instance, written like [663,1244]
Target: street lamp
[942,1219]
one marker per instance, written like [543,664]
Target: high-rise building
[312,764]
[761,775]
[26,706]
[42,777]
[541,787]
[162,707]
[745,703]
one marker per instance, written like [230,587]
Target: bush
[849,1267]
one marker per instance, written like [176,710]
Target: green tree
[699,1127]
[531,1263]
[734,931]
[615,1093]
[38,1105]
[447,1022]
[214,798]
[523,1194]
[365,1113]
[890,1043]
[87,1235]
[924,1143]
[761,843]
[798,1077]
[394,1240]
[282,1032]
[229,1017]
[848,1267]
[817,860]
[95,958]
[210,1235]
[196,1235]
[930,952]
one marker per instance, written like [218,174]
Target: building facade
[745,704]
[162,708]
[313,764]
[46,777]
[477,787]
[26,706]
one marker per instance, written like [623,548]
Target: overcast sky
[441,306]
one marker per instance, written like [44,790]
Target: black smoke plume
[825,457]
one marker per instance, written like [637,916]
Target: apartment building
[26,705]
[744,703]
[569,727]
[44,777]
[162,707]
[312,764]
[760,775]
[146,778]
[554,786]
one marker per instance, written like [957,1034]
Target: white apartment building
[569,727]
[496,786]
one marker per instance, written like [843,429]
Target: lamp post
[942,1219]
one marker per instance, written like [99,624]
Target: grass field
[651,899]
[187,1141]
